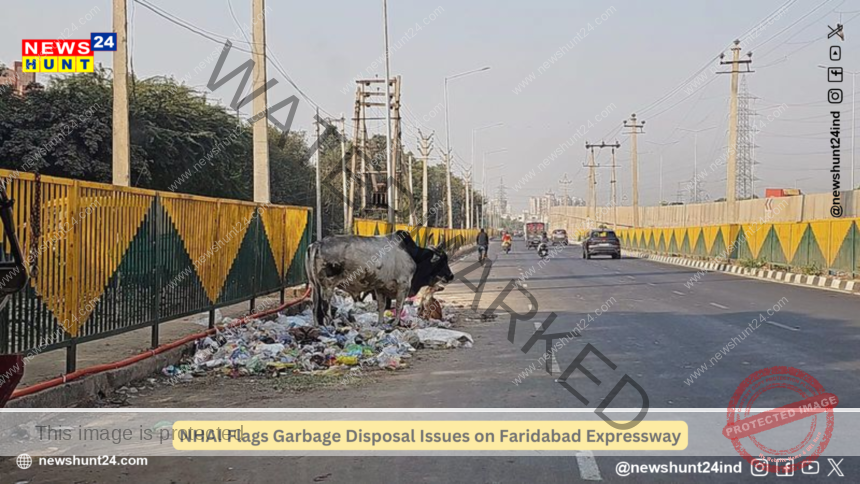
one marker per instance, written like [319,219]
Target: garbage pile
[293,344]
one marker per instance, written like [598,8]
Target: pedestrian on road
[483,242]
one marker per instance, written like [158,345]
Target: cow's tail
[313,283]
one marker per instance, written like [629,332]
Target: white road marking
[537,325]
[778,325]
[679,293]
[631,277]
[555,369]
[718,305]
[651,284]
[588,469]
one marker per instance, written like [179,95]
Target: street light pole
[484,179]
[448,150]
[469,223]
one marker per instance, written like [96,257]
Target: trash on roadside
[437,338]
[293,344]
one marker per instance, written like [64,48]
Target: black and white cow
[389,266]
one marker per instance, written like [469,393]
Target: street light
[484,178]
[469,202]
[696,158]
[448,149]
[661,161]
[853,120]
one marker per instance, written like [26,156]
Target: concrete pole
[389,163]
[318,159]
[614,194]
[343,171]
[448,161]
[732,164]
[121,149]
[411,192]
[425,156]
[260,105]
[634,167]
[853,126]
[592,188]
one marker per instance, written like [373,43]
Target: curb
[816,282]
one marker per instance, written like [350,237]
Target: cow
[390,266]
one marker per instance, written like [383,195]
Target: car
[559,237]
[601,242]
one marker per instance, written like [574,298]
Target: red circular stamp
[815,407]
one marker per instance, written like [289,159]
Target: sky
[602,61]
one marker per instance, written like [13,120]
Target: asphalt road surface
[657,328]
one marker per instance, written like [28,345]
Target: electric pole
[449,204]
[635,129]
[592,181]
[592,176]
[613,193]
[260,106]
[121,153]
[425,157]
[317,160]
[343,171]
[389,163]
[411,192]
[732,163]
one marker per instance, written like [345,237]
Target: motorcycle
[543,251]
[506,246]
[482,253]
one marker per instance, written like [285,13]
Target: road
[656,329]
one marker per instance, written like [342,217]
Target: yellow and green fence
[823,245]
[450,239]
[111,259]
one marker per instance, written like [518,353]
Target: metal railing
[109,259]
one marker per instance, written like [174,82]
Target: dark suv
[559,237]
[601,242]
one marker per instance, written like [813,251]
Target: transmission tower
[565,184]
[746,144]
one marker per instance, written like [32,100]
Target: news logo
[60,56]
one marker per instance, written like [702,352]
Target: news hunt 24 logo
[65,56]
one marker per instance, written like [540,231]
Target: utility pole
[121,149]
[317,160]
[389,162]
[411,192]
[732,163]
[343,171]
[353,174]
[425,157]
[260,105]
[449,204]
[592,176]
[592,182]
[635,129]
[613,193]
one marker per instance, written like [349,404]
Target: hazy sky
[638,54]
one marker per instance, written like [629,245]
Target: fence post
[157,261]
[257,262]
[73,278]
